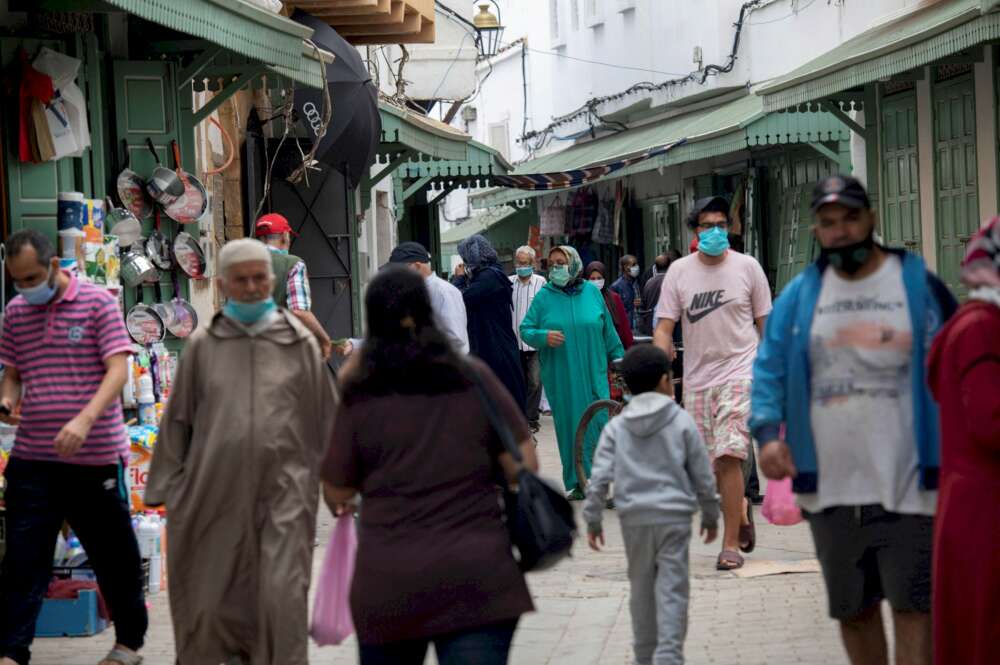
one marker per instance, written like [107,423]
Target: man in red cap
[291,281]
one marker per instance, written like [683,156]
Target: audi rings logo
[312,115]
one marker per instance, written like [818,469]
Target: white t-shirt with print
[862,397]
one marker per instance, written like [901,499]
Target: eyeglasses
[718,225]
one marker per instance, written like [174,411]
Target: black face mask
[851,258]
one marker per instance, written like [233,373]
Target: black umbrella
[353,134]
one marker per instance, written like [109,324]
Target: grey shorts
[869,554]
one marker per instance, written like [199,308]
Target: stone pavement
[582,613]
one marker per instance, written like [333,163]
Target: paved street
[583,615]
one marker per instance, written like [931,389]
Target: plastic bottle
[146,399]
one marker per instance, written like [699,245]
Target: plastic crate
[77,617]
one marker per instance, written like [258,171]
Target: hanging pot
[158,247]
[136,269]
[124,224]
[132,189]
[163,186]
[192,204]
[190,256]
[185,318]
[143,323]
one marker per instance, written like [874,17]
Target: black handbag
[539,518]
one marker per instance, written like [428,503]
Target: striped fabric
[59,350]
[577,177]
[522,298]
[299,296]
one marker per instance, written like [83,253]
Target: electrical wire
[450,66]
[605,64]
[589,109]
[794,12]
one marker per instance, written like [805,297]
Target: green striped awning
[729,128]
[239,27]
[913,40]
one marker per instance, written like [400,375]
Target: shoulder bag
[539,518]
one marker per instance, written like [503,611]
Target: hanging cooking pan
[191,205]
[136,268]
[185,318]
[132,189]
[190,256]
[143,323]
[158,247]
[164,186]
[124,224]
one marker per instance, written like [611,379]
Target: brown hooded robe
[237,467]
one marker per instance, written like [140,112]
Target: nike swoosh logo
[694,318]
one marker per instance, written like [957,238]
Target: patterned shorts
[720,413]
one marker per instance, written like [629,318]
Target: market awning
[403,130]
[913,40]
[241,27]
[737,125]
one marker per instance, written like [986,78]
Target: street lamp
[488,30]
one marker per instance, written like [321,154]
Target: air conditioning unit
[469,113]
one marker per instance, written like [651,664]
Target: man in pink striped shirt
[65,350]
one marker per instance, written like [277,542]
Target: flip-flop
[729,560]
[748,533]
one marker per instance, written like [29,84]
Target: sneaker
[535,426]
[610,503]
[576,495]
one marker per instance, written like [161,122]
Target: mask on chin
[850,258]
[249,312]
[40,294]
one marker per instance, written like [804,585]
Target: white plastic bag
[68,110]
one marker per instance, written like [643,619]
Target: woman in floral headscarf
[965,378]
[575,336]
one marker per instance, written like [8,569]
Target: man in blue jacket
[841,366]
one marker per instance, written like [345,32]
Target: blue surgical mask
[248,312]
[525,271]
[40,294]
[559,275]
[280,251]
[713,242]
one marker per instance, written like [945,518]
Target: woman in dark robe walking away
[965,378]
[488,304]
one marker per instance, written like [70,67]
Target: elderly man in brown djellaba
[236,466]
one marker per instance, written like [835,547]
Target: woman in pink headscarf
[965,378]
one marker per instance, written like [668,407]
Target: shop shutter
[956,195]
[900,175]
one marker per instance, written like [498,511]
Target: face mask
[713,242]
[248,312]
[40,294]
[525,271]
[634,271]
[599,283]
[851,258]
[280,251]
[559,275]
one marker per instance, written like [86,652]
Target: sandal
[729,560]
[121,657]
[748,532]
[576,495]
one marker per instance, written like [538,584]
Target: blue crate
[70,618]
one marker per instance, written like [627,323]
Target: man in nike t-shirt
[722,298]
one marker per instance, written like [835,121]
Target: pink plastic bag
[331,621]
[779,504]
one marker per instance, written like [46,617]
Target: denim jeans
[486,645]
[93,499]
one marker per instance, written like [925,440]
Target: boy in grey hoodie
[659,465]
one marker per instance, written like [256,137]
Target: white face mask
[634,271]
[599,283]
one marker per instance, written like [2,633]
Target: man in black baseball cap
[841,366]
[446,301]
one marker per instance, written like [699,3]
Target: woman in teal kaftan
[575,335]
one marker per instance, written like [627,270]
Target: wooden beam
[401,159]
[834,109]
[447,190]
[826,152]
[197,66]
[231,89]
[416,187]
